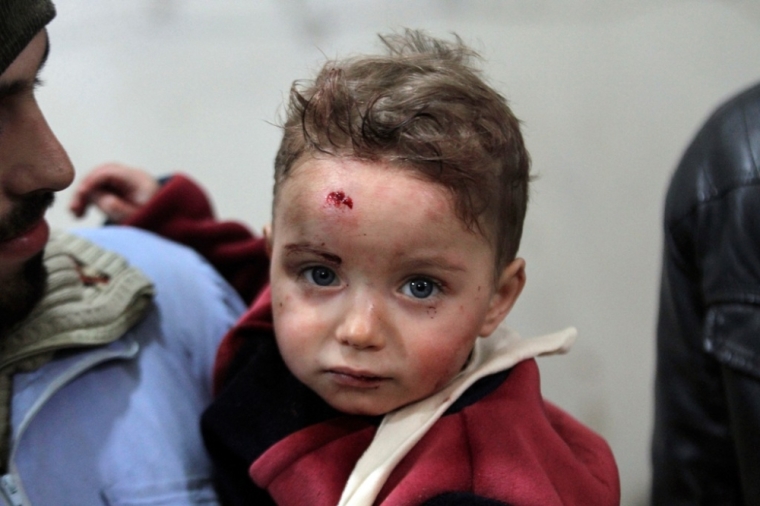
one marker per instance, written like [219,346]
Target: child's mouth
[355,378]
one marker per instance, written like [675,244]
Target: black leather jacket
[706,444]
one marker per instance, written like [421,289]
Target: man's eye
[321,276]
[420,288]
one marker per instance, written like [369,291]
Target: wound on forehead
[338,199]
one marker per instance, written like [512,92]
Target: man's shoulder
[157,257]
[178,272]
[722,157]
[135,243]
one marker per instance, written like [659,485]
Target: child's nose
[360,327]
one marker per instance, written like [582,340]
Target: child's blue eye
[322,276]
[420,288]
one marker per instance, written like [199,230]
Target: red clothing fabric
[181,212]
[510,446]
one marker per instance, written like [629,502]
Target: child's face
[378,290]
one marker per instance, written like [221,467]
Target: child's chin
[358,408]
[364,407]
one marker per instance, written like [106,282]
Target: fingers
[117,190]
[94,183]
[80,201]
[116,209]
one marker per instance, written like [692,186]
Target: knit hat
[20,20]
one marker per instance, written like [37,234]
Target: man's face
[378,290]
[33,165]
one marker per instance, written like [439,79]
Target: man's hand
[117,190]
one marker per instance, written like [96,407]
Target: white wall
[610,93]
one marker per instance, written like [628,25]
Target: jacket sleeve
[707,388]
[181,212]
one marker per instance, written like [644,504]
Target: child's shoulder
[522,448]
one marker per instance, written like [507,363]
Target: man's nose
[32,159]
[361,326]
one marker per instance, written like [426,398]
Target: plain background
[610,93]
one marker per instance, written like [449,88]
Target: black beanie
[20,21]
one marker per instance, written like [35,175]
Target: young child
[371,367]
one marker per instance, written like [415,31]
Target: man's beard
[20,294]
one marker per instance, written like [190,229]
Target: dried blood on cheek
[337,199]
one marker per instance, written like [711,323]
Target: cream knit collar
[92,298]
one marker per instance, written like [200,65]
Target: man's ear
[267,233]
[508,289]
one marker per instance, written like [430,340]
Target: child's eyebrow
[292,249]
[434,263]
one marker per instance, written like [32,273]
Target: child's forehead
[349,183]
[342,191]
[345,165]
[331,173]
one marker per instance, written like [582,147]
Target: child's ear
[508,288]
[267,233]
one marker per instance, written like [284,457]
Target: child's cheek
[285,306]
[447,368]
[297,318]
[455,339]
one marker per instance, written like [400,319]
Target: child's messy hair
[423,106]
